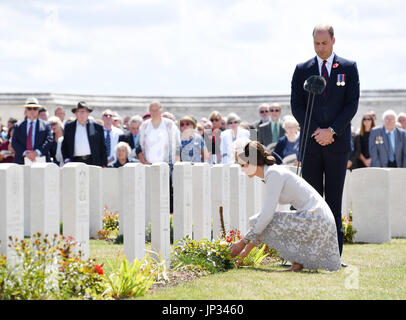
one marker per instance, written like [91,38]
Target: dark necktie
[29,138]
[108,143]
[324,74]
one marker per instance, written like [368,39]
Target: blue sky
[190,47]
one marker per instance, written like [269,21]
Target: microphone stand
[306,128]
[314,85]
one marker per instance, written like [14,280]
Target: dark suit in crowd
[95,134]
[265,133]
[335,110]
[42,139]
[127,137]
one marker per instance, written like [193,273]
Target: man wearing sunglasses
[32,137]
[270,132]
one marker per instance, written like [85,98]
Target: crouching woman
[307,236]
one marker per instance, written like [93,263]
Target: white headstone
[397,201]
[159,209]
[370,205]
[27,200]
[220,197]
[148,197]
[201,201]
[11,205]
[237,199]
[182,200]
[133,210]
[95,201]
[253,196]
[45,199]
[111,192]
[75,204]
[346,202]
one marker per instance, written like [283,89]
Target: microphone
[314,84]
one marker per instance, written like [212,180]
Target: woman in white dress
[306,236]
[230,135]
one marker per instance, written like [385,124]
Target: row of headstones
[376,198]
[36,198]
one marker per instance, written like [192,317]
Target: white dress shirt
[82,146]
[329,63]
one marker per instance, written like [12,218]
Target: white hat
[32,102]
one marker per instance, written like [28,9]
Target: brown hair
[362,128]
[255,153]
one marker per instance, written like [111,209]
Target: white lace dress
[307,235]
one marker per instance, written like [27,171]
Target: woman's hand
[247,249]
[236,248]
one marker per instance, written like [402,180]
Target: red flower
[99,269]
[335,65]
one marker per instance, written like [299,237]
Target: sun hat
[32,102]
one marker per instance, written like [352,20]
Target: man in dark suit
[263,113]
[32,137]
[329,139]
[131,135]
[270,132]
[387,144]
[84,139]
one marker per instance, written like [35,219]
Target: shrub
[110,225]
[348,230]
[130,279]
[213,256]
[48,268]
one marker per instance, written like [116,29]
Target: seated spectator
[387,143]
[288,144]
[56,147]
[230,135]
[122,150]
[361,142]
[192,148]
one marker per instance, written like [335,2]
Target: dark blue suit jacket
[42,140]
[95,135]
[335,111]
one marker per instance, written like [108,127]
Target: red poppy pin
[335,65]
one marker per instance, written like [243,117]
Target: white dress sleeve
[274,183]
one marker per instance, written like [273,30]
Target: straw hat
[189,119]
[32,102]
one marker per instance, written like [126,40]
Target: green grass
[374,272]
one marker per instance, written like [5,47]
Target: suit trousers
[325,171]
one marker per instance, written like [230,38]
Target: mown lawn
[374,272]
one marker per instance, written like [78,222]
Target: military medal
[341,80]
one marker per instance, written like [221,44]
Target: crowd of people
[157,136]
